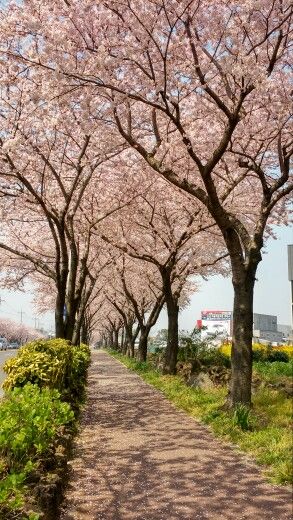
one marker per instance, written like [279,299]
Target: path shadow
[138,458]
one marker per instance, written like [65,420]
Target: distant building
[287,333]
[265,327]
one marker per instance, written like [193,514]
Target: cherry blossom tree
[201,89]
[166,230]
[17,332]
[136,293]
[53,196]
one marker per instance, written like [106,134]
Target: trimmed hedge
[35,418]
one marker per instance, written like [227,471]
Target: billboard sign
[216,322]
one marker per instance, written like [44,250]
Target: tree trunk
[241,355]
[124,347]
[143,344]
[244,263]
[170,358]
[59,317]
[130,349]
[129,339]
[70,319]
[84,333]
[122,340]
[116,339]
[76,337]
[84,330]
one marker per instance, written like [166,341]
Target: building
[265,327]
[287,333]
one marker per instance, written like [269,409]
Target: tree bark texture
[244,271]
[241,355]
[170,358]
[59,318]
[143,344]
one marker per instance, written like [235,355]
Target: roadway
[4,354]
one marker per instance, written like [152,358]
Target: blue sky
[272,293]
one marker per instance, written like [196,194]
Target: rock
[256,382]
[184,369]
[179,367]
[219,375]
[287,389]
[196,366]
[282,386]
[201,380]
[187,368]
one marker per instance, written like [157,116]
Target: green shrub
[34,367]
[259,354]
[159,350]
[81,360]
[277,355]
[272,371]
[213,357]
[31,419]
[43,375]
[193,347]
[79,365]
[42,362]
[48,363]
[270,354]
[241,417]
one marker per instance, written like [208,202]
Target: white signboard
[216,322]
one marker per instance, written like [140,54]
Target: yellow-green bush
[288,349]
[50,363]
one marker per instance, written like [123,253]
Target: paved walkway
[138,458]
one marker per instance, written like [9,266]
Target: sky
[272,293]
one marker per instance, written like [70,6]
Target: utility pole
[290,277]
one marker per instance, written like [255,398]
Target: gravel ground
[138,458]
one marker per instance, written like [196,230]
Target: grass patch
[265,433]
[273,371]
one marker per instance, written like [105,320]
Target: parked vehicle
[13,345]
[3,343]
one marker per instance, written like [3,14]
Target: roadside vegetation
[45,386]
[263,432]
